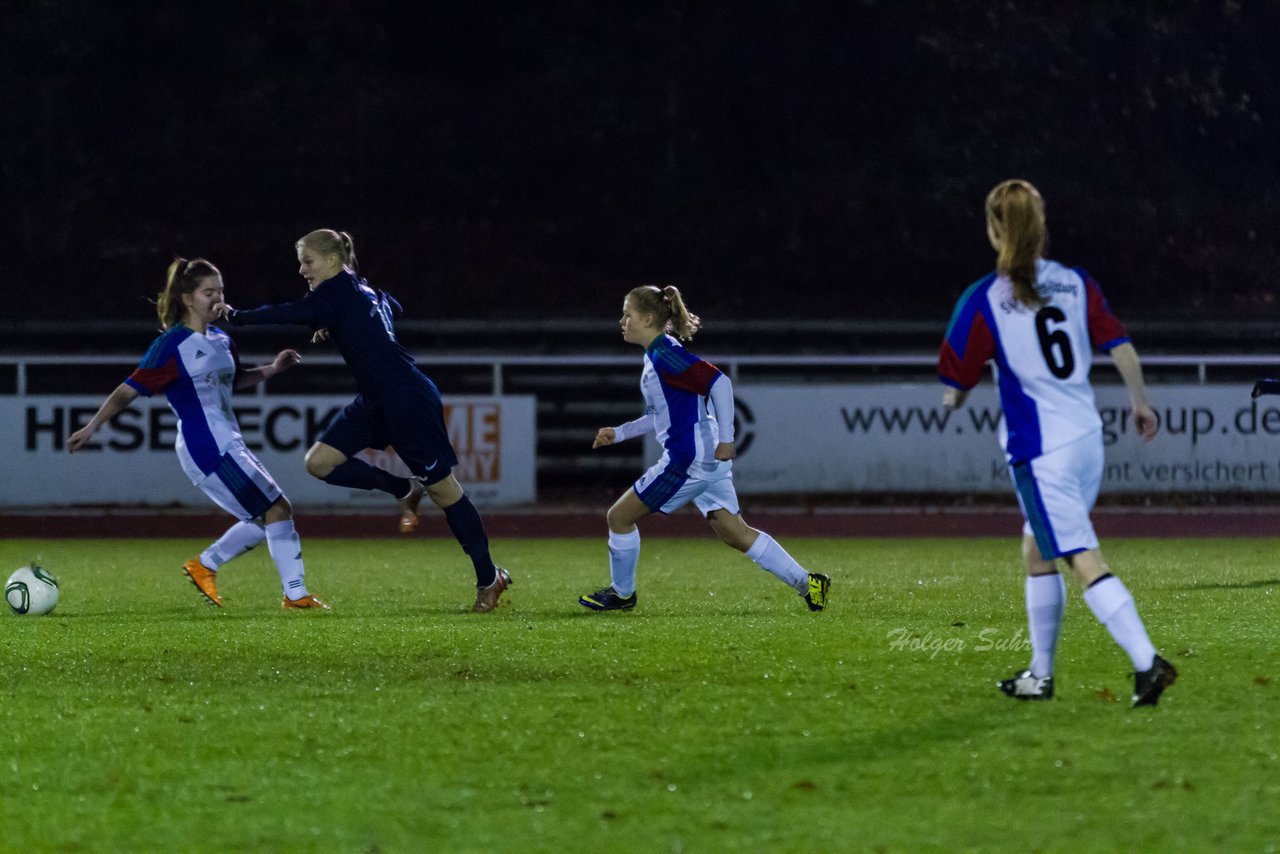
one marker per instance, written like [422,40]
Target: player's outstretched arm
[623,432]
[1127,363]
[605,436]
[117,401]
[283,361]
[312,310]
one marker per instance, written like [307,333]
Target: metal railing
[500,365]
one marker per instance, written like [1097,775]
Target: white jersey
[674,384]
[1042,356]
[196,372]
[683,395]
[677,387]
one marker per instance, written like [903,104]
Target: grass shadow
[1235,585]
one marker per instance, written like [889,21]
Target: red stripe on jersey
[1104,327]
[156,380]
[964,370]
[696,378]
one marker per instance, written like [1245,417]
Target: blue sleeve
[969,342]
[317,309]
[161,366]
[397,311]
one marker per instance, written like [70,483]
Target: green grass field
[718,716]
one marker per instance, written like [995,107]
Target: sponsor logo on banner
[898,438]
[131,459]
[475,431]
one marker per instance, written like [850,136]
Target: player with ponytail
[689,406]
[1039,321]
[398,405]
[1016,228]
[196,366]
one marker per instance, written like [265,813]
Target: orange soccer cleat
[409,506]
[205,580]
[304,603]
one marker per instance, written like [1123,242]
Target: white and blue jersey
[196,373]
[683,396]
[1042,356]
[1051,431]
[675,384]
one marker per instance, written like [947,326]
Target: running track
[583,522]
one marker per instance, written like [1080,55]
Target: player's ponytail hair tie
[666,304]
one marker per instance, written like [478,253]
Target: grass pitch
[718,716]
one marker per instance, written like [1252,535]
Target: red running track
[577,522]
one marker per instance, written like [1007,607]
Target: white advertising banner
[131,461]
[898,438]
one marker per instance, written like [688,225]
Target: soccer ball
[31,590]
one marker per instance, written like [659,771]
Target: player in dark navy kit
[398,405]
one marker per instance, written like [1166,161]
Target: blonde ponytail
[328,242]
[1015,216]
[666,304]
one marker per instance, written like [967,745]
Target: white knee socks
[1046,601]
[237,540]
[774,558]
[286,551]
[624,554]
[1112,604]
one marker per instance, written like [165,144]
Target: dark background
[776,160]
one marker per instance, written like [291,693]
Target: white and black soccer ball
[31,590]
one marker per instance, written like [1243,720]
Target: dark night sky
[775,159]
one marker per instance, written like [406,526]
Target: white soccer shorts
[1056,491]
[709,487]
[241,484]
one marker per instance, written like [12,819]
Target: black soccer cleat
[1024,686]
[1150,684]
[607,599]
[815,595]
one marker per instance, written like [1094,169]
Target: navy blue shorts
[411,421]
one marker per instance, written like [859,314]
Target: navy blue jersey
[360,321]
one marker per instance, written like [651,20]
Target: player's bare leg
[322,459]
